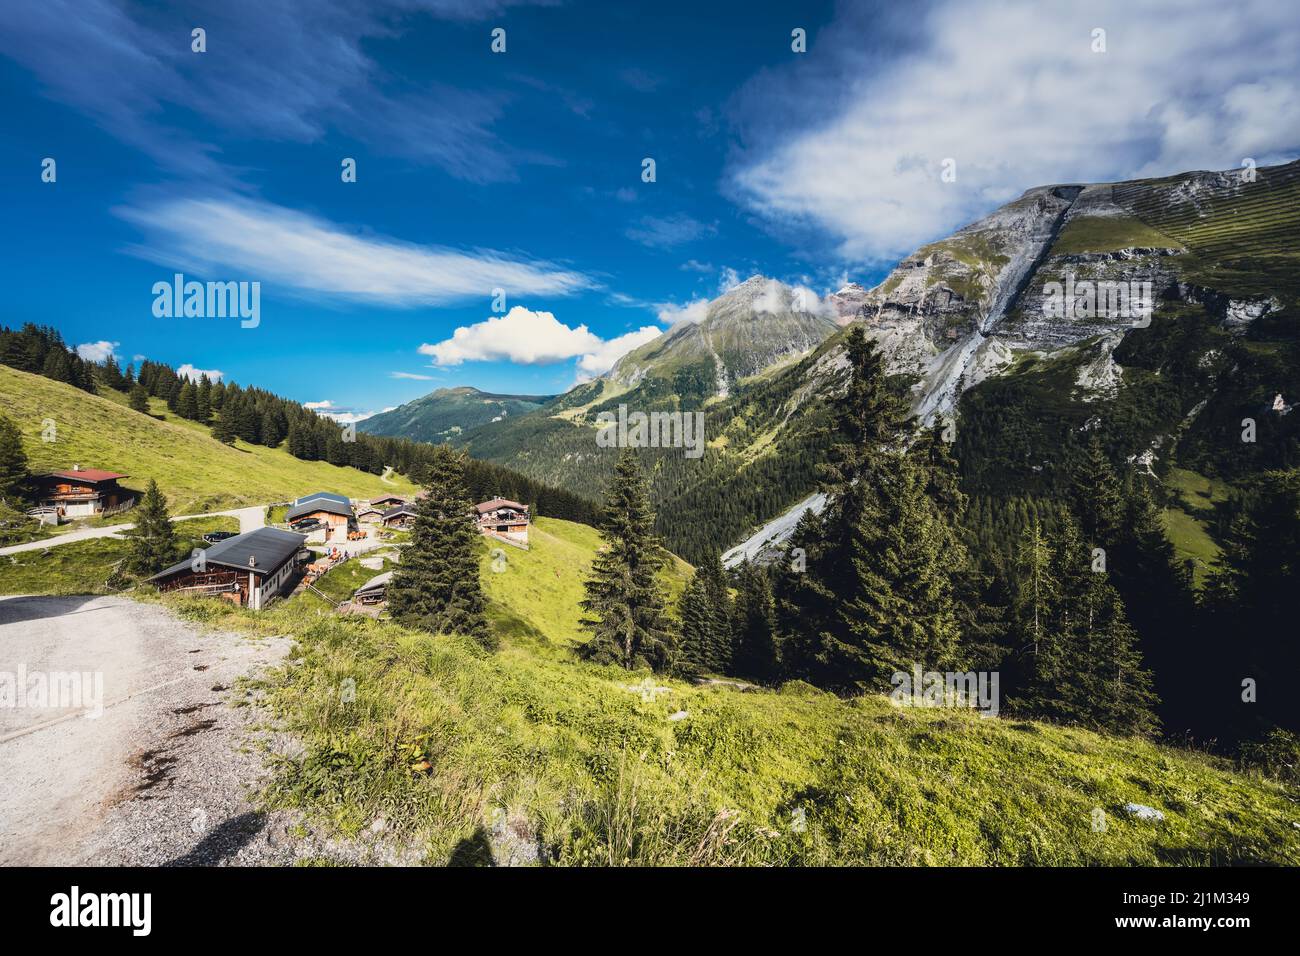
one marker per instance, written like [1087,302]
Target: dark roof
[496,503]
[382,498]
[399,510]
[318,504]
[91,475]
[269,547]
[327,495]
[375,583]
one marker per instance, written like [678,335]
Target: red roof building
[83,492]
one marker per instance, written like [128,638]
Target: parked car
[212,537]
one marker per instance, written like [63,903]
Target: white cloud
[1012,91]
[602,359]
[194,374]
[534,338]
[666,232]
[327,409]
[693,311]
[314,257]
[97,351]
[411,375]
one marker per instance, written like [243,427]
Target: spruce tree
[226,427]
[625,603]
[13,459]
[756,653]
[436,587]
[877,595]
[695,652]
[1085,666]
[153,539]
[139,398]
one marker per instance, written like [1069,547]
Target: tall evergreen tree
[13,459]
[139,398]
[625,602]
[436,587]
[879,595]
[756,653]
[695,649]
[153,539]
[1084,665]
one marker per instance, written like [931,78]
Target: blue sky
[522,170]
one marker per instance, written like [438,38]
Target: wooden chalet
[370,515]
[332,512]
[403,516]
[249,569]
[82,492]
[504,518]
[373,591]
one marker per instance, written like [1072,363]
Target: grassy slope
[536,594]
[195,472]
[83,567]
[586,761]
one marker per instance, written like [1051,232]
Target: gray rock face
[745,331]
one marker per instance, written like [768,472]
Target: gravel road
[168,772]
[250,519]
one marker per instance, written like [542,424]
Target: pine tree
[878,593]
[436,587]
[225,428]
[139,398]
[695,651]
[1084,666]
[153,539]
[187,402]
[1098,497]
[756,654]
[625,603]
[13,459]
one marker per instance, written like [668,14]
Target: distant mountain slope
[963,320]
[447,412]
[195,471]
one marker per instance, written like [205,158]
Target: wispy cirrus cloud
[1013,92]
[413,376]
[314,258]
[280,70]
[668,232]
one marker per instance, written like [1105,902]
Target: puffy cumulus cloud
[316,258]
[601,360]
[97,351]
[1012,91]
[694,311]
[530,337]
[194,374]
[521,335]
[344,416]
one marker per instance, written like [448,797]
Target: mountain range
[974,328]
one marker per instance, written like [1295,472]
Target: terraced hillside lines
[196,472]
[1225,220]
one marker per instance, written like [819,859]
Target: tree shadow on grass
[474,850]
